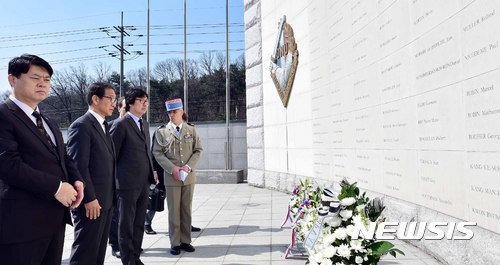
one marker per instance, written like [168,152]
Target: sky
[70,33]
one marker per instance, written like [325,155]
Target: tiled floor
[240,225]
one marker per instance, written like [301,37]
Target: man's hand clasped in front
[70,196]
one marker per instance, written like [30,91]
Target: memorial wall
[402,97]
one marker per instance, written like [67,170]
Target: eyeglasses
[112,99]
[142,100]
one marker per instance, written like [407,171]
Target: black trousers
[133,205]
[91,237]
[113,230]
[45,251]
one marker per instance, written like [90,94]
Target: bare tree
[165,70]
[207,62]
[192,68]
[137,78]
[179,67]
[102,72]
[79,81]
[61,89]
[220,61]
[240,62]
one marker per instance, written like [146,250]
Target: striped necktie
[39,125]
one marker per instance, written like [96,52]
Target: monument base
[216,176]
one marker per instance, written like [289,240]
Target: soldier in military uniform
[177,149]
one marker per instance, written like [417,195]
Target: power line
[67,51]
[190,43]
[51,34]
[49,43]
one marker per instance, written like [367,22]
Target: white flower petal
[348,201]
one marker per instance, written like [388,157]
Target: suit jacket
[30,173]
[94,155]
[134,168]
[170,149]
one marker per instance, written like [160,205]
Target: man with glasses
[90,145]
[134,174]
[39,182]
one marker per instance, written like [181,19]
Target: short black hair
[21,65]
[98,89]
[132,95]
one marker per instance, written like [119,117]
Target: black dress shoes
[187,247]
[175,250]
[149,230]
[195,229]
[116,253]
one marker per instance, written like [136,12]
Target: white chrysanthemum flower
[346,214]
[335,221]
[329,251]
[357,245]
[348,201]
[317,257]
[356,219]
[326,262]
[344,251]
[328,239]
[350,230]
[312,261]
[365,258]
[340,233]
[358,260]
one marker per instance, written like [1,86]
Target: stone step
[214,176]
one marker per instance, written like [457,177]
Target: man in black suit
[113,229]
[38,180]
[134,174]
[90,145]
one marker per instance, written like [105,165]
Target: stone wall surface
[401,97]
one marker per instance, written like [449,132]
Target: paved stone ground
[240,225]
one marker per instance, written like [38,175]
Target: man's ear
[95,99]
[12,80]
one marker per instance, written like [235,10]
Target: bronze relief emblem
[284,61]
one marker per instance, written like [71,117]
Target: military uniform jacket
[170,149]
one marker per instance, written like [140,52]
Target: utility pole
[122,50]
[185,66]
[148,83]
[228,95]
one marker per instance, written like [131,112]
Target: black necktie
[106,129]
[140,124]
[42,130]
[178,129]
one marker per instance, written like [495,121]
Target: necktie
[178,129]
[106,129]
[140,125]
[39,125]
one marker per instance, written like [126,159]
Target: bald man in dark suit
[39,182]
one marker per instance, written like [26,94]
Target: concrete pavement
[240,225]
